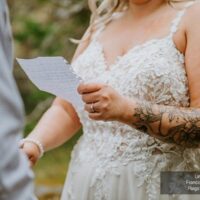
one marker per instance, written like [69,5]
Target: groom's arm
[15,175]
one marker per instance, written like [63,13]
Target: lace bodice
[153,71]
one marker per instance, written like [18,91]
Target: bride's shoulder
[193,10]
[192,15]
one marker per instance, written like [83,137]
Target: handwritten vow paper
[54,75]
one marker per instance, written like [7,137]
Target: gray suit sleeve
[15,174]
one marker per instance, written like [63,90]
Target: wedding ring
[92,108]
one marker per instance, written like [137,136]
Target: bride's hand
[102,102]
[32,152]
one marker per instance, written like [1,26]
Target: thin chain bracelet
[36,142]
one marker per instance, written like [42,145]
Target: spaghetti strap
[177,20]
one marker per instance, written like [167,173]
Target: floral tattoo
[169,124]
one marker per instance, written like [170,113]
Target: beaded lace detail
[153,71]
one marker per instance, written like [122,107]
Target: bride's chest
[145,69]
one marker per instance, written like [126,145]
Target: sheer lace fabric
[153,71]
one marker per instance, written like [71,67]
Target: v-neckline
[109,67]
[118,59]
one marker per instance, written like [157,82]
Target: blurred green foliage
[43,28]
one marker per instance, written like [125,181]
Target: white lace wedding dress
[112,161]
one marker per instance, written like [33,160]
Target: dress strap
[177,20]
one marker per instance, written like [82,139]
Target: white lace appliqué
[155,72]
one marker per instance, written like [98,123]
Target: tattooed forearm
[168,123]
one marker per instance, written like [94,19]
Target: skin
[167,123]
[50,132]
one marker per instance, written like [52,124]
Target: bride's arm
[58,124]
[168,123]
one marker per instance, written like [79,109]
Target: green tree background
[43,28]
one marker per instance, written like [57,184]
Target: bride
[140,63]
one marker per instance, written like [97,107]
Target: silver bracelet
[36,142]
